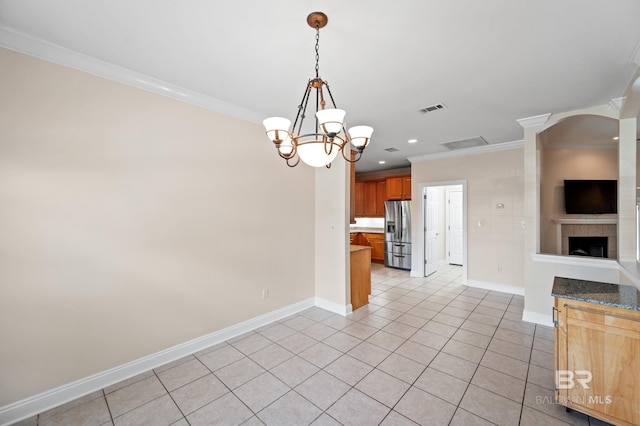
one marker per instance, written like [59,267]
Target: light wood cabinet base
[360,276]
[597,360]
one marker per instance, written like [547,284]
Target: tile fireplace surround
[609,230]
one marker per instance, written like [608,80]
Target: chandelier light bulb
[360,136]
[277,128]
[314,154]
[286,147]
[331,120]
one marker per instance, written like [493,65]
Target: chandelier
[318,143]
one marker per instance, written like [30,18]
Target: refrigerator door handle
[404,219]
[399,220]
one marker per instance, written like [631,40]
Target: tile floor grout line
[169,393]
[106,402]
[526,379]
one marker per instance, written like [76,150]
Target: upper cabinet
[359,199]
[372,189]
[399,188]
[370,198]
[381,197]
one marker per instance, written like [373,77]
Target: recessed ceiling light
[382,162]
[615,138]
[412,140]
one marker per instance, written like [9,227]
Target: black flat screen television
[591,196]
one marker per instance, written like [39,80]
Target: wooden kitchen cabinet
[398,188]
[358,238]
[598,345]
[360,274]
[373,240]
[376,241]
[369,198]
[370,203]
[381,197]
[359,199]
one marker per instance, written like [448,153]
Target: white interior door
[455,227]
[430,231]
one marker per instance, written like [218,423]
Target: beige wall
[131,223]
[495,237]
[560,164]
[332,277]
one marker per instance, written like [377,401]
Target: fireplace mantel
[586,221]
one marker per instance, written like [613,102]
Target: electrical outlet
[500,269]
[265,293]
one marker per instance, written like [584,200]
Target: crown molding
[536,120]
[42,49]
[469,151]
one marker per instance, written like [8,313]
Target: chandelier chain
[317,48]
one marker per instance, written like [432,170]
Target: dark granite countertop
[622,296]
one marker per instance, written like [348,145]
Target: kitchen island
[360,275]
[597,349]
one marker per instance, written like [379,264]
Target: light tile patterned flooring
[426,351]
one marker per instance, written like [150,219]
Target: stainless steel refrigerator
[397,234]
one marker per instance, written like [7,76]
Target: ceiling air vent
[466,143]
[391,149]
[431,108]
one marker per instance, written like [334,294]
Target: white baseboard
[28,407]
[504,288]
[336,308]
[535,317]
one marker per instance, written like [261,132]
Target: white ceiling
[490,62]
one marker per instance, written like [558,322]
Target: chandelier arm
[294,164]
[321,92]
[302,109]
[318,92]
[292,154]
[355,159]
[330,95]
[327,141]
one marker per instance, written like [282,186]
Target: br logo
[567,379]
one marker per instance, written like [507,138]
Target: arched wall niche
[629,227]
[577,145]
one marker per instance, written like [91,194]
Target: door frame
[448,192]
[417,259]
